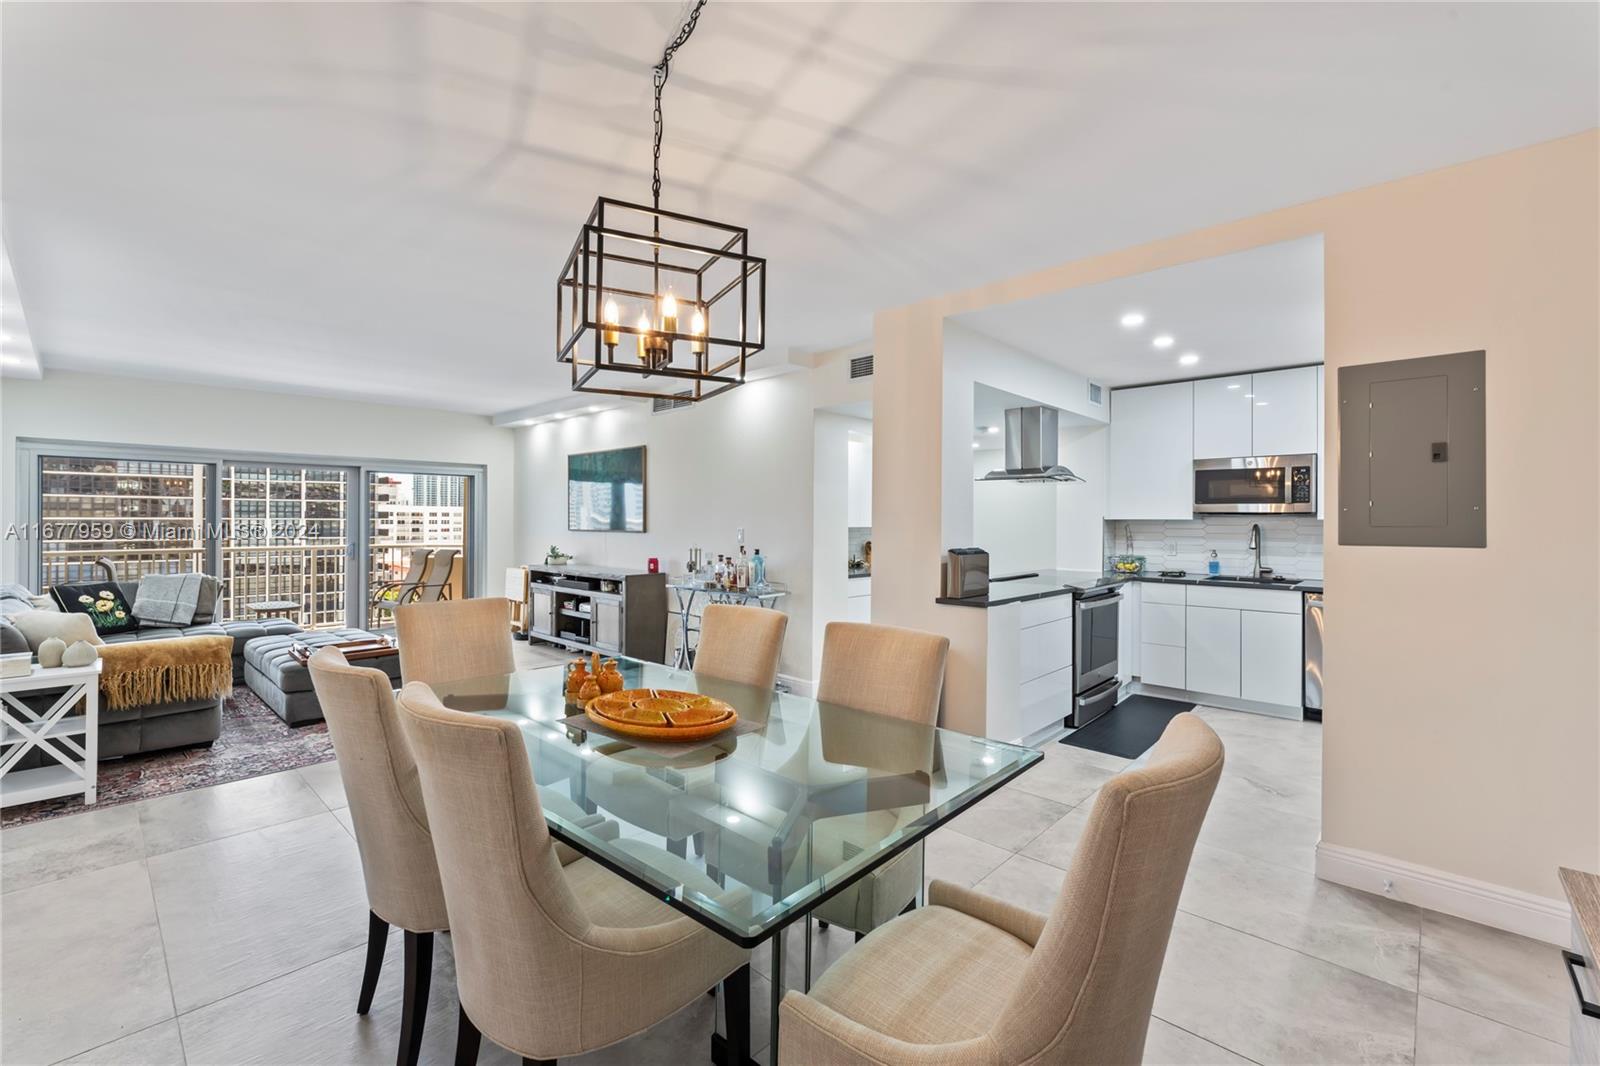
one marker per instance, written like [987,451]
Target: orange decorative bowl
[662,714]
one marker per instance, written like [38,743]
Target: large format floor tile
[1508,978]
[952,856]
[1167,1045]
[1447,1035]
[251,907]
[1371,935]
[194,817]
[1025,882]
[1007,818]
[1070,777]
[1057,844]
[72,844]
[81,964]
[326,782]
[159,1045]
[1261,832]
[1273,1004]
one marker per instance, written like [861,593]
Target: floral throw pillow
[101,601]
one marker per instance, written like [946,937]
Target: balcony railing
[314,576]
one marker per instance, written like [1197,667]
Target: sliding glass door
[285,538]
[409,512]
[326,536]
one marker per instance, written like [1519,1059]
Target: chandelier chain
[660,74]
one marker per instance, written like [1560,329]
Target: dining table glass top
[752,828]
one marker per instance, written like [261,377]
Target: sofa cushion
[102,602]
[271,661]
[39,626]
[12,642]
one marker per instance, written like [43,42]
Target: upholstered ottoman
[285,685]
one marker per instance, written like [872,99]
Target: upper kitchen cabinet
[1152,452]
[1284,409]
[1222,409]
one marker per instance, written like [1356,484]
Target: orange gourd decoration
[589,691]
[611,678]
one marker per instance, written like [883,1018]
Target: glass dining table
[750,830]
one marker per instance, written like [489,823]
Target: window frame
[30,451]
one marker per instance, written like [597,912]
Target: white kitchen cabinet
[1152,452]
[858,483]
[1322,442]
[1162,665]
[1269,657]
[1045,648]
[858,607]
[1162,623]
[1222,417]
[1211,653]
[1284,412]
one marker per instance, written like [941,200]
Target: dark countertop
[860,573]
[1043,583]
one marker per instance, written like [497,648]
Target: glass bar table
[691,590]
[790,807]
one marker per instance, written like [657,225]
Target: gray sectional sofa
[162,725]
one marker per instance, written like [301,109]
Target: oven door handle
[1089,603]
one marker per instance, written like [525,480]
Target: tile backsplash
[859,535]
[1291,544]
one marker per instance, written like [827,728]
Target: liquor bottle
[742,571]
[758,571]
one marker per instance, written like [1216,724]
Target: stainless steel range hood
[1032,446]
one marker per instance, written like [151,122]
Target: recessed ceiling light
[991,429]
[732,819]
[1261,403]
[976,445]
[1163,341]
[1249,395]
[1188,359]
[1233,386]
[1133,320]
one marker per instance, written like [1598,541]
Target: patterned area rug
[254,741]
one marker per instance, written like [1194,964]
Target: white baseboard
[800,686]
[1505,908]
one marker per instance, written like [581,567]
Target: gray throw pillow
[12,642]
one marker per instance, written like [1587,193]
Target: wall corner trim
[1510,909]
[800,686]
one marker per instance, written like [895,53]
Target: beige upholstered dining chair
[970,979]
[397,861]
[551,960]
[454,639]
[741,644]
[889,671]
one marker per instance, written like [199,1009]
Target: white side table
[22,730]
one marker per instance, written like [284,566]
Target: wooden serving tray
[662,714]
[354,650]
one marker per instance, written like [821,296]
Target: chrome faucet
[1255,546]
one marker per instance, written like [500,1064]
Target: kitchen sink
[1242,580]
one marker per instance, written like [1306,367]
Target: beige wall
[120,410]
[1463,730]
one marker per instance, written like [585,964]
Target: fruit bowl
[662,714]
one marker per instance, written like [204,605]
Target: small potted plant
[556,557]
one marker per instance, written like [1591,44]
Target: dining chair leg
[377,941]
[679,846]
[414,1008]
[734,1049]
[699,840]
[468,1040]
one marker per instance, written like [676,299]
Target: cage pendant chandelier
[655,303]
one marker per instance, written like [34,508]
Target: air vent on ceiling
[861,366]
[1096,397]
[670,403]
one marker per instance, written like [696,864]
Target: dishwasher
[1311,694]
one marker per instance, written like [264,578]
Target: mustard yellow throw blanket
[141,672]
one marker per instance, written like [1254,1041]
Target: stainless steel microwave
[1256,484]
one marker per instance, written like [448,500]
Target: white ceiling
[374,199]
[1248,311]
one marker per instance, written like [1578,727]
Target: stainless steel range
[1094,659]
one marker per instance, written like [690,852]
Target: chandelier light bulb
[697,328]
[644,338]
[611,316]
[669,313]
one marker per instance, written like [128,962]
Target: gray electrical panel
[1412,452]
